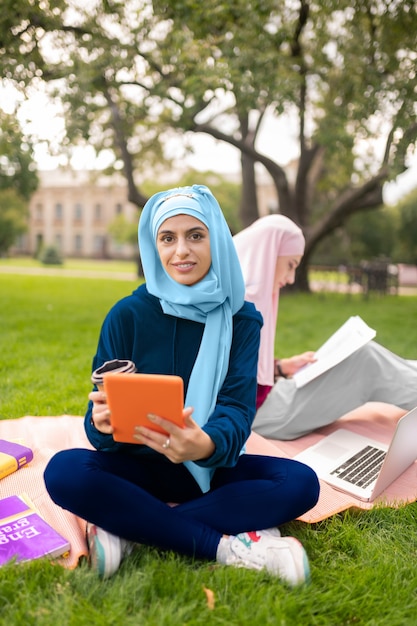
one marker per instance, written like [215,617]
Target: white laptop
[361,466]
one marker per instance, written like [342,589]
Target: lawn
[363,563]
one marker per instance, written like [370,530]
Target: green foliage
[23,25]
[50,256]
[123,231]
[365,236]
[372,234]
[389,232]
[17,167]
[13,218]
[18,179]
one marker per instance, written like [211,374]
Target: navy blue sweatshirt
[136,328]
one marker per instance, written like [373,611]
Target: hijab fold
[258,248]
[212,301]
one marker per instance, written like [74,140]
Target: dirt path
[62,272]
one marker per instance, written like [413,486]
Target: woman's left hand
[292,364]
[189,443]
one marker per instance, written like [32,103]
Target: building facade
[72,210]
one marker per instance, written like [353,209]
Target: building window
[78,212]
[119,209]
[98,216]
[98,243]
[78,243]
[59,212]
[38,212]
[58,242]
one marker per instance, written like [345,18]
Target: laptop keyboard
[362,468]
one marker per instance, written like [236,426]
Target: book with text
[351,336]
[13,456]
[25,535]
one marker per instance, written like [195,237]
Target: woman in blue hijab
[189,319]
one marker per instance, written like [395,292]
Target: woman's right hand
[100,414]
[189,443]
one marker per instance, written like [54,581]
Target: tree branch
[368,196]
[276,172]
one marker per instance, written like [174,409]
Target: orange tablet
[131,397]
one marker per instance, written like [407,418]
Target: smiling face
[285,270]
[183,244]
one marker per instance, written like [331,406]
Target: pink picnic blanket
[47,435]
[379,425]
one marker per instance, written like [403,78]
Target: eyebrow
[204,229]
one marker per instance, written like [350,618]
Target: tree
[13,218]
[137,72]
[17,167]
[18,180]
[347,71]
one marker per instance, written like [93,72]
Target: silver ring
[166,444]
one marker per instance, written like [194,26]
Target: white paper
[354,334]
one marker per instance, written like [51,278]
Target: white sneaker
[282,556]
[106,550]
[270,532]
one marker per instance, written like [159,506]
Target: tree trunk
[248,210]
[301,277]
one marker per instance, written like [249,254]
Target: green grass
[49,334]
[363,563]
[305,321]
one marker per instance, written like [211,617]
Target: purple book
[13,456]
[24,534]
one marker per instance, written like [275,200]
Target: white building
[72,210]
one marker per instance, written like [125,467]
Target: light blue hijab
[212,301]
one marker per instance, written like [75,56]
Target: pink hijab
[258,248]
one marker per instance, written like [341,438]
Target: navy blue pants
[127,495]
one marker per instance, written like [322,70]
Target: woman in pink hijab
[269,252]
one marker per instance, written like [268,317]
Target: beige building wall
[72,211]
